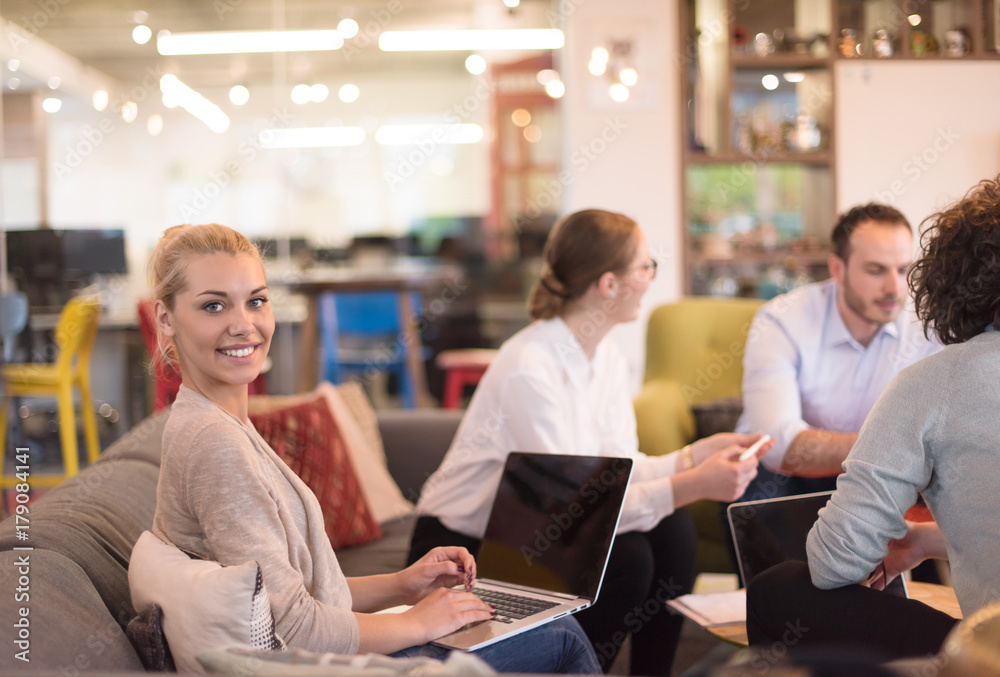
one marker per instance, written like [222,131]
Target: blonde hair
[168,263]
[581,247]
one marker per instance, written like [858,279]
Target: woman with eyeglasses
[558,386]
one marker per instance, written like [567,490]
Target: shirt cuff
[774,459]
[646,504]
[649,468]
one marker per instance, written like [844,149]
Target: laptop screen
[553,521]
[773,531]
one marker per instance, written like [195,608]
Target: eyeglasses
[648,269]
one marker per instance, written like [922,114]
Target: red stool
[166,378]
[462,368]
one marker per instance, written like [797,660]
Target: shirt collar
[836,330]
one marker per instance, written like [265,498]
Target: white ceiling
[97,33]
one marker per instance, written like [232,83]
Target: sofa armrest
[415,442]
[71,629]
[664,421]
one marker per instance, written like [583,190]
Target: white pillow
[205,605]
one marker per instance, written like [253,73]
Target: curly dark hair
[956,282]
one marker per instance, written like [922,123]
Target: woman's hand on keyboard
[440,568]
[445,610]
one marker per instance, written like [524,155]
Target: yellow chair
[694,356]
[75,336]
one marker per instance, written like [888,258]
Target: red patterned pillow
[306,437]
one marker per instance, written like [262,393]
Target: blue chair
[362,332]
[13,319]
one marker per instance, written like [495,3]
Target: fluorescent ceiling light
[194,103]
[240,42]
[312,137]
[475,41]
[406,135]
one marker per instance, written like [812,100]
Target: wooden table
[941,597]
[406,275]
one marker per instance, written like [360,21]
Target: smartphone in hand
[754,448]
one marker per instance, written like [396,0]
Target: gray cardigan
[935,430]
[226,496]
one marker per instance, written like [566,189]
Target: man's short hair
[855,216]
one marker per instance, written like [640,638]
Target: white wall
[626,156]
[915,134]
[103,172]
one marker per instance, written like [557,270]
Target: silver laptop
[774,530]
[547,542]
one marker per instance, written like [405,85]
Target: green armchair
[694,357]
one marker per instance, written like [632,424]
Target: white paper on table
[713,609]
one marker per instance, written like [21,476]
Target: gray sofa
[75,582]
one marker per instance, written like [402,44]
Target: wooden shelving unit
[747,174]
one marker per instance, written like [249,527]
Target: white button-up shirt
[542,394]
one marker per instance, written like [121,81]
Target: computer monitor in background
[460,236]
[50,265]
[297,246]
[35,259]
[94,252]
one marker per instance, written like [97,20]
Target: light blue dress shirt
[802,369]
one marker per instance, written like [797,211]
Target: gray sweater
[224,495]
[935,430]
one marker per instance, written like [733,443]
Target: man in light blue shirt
[819,356]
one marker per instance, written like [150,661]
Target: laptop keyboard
[511,607]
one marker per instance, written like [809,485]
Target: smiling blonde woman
[224,495]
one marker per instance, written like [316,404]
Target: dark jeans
[785,609]
[645,570]
[559,647]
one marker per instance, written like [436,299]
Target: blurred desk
[109,320]
[404,275]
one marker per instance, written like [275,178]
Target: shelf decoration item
[763,45]
[848,44]
[804,135]
[957,42]
[882,44]
[922,44]
[798,41]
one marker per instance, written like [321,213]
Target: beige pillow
[359,430]
[205,605]
[353,395]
